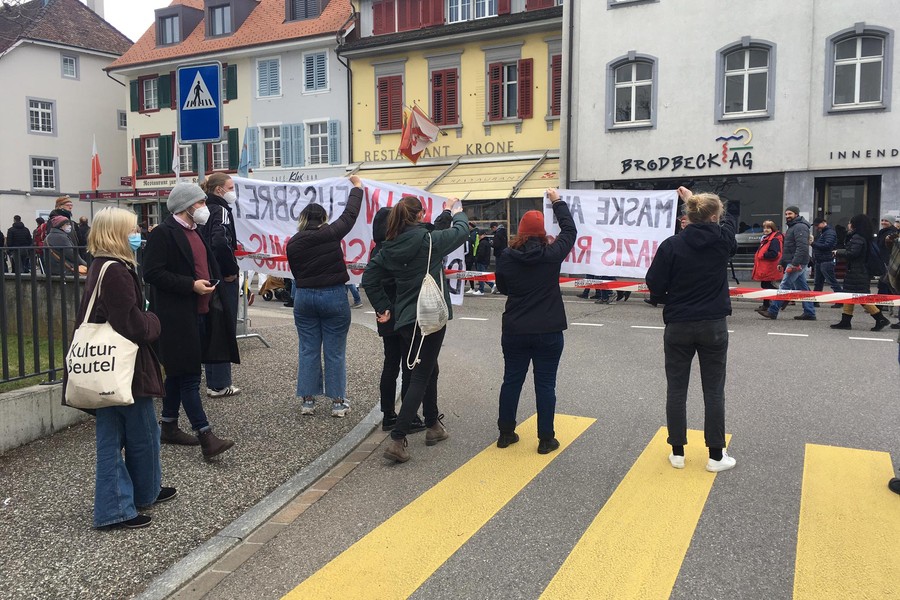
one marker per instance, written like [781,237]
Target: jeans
[354,292]
[322,318]
[709,339]
[394,357]
[825,272]
[543,350]
[794,281]
[218,375]
[125,483]
[482,267]
[422,379]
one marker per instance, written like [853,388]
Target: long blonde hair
[109,234]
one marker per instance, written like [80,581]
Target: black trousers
[709,340]
[394,355]
[422,379]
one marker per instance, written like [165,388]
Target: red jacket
[766,265]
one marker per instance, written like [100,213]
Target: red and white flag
[95,167]
[418,133]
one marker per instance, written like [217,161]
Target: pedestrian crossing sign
[199,93]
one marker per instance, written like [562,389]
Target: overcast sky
[131,17]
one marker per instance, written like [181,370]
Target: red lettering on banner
[373,202]
[608,256]
[645,257]
[354,245]
[581,251]
[272,245]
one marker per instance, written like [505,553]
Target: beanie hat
[61,201]
[183,196]
[532,223]
[58,221]
[793,209]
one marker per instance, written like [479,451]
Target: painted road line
[646,327]
[848,542]
[589,324]
[636,544]
[462,503]
[789,334]
[872,339]
[472,319]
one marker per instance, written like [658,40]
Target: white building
[769,104]
[56,98]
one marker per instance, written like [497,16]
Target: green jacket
[403,260]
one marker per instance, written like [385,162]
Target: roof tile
[67,22]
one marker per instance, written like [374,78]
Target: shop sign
[868,153]
[735,152]
[474,149]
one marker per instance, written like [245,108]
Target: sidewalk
[50,549]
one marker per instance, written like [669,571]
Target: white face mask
[201,215]
[230,197]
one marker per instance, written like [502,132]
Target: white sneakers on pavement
[229,391]
[715,466]
[676,461]
[478,293]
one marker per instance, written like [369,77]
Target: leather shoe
[805,317]
[764,313]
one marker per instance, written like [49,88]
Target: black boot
[881,321]
[169,433]
[211,445]
[845,322]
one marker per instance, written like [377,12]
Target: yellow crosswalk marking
[463,502]
[635,546]
[848,543]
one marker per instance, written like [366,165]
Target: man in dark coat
[822,249]
[182,274]
[795,259]
[18,236]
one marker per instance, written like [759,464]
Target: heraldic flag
[418,133]
[95,167]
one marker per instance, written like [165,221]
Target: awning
[524,176]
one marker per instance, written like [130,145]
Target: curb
[192,565]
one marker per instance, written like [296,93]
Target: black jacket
[379,231]
[220,235]
[18,236]
[315,254]
[483,253]
[529,276]
[856,250]
[689,272]
[169,269]
[58,212]
[824,244]
[500,241]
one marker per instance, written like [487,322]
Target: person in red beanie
[534,319]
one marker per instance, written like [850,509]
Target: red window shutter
[383,17]
[432,12]
[438,95]
[556,85]
[395,102]
[407,15]
[526,88]
[503,7]
[495,95]
[384,105]
[538,4]
[451,97]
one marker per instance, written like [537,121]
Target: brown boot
[396,451]
[436,433]
[169,433]
[211,445]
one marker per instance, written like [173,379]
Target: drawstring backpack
[431,310]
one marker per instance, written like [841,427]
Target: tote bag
[431,309]
[100,362]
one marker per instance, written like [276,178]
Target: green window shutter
[253,146]
[334,142]
[299,146]
[165,154]
[287,159]
[138,159]
[234,149]
[231,83]
[135,96]
[164,89]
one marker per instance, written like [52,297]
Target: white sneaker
[308,407]
[478,293]
[470,291]
[727,462]
[676,461]
[339,409]
[229,391]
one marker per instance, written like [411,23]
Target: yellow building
[491,82]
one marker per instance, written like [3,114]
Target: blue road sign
[199,91]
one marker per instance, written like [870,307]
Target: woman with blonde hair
[767,262]
[689,277]
[125,484]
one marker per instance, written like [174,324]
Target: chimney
[96,6]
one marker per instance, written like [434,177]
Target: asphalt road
[798,394]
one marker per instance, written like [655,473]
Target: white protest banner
[618,230]
[266,213]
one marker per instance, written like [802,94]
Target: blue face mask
[135,240]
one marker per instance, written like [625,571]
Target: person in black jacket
[18,236]
[196,329]
[221,237]
[534,319]
[482,262]
[858,278]
[822,250]
[689,276]
[321,310]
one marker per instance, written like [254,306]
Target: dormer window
[169,29]
[304,9]
[220,20]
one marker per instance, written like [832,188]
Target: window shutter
[396,102]
[438,94]
[556,85]
[405,19]
[135,96]
[234,149]
[309,77]
[390,103]
[253,145]
[286,155]
[138,157]
[526,88]
[164,89]
[383,16]
[274,82]
[165,154]
[503,7]
[451,97]
[383,106]
[231,83]
[432,12]
[299,149]
[495,87]
[538,4]
[334,142]
[262,76]
[321,61]
[172,91]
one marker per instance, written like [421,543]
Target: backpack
[40,234]
[874,262]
